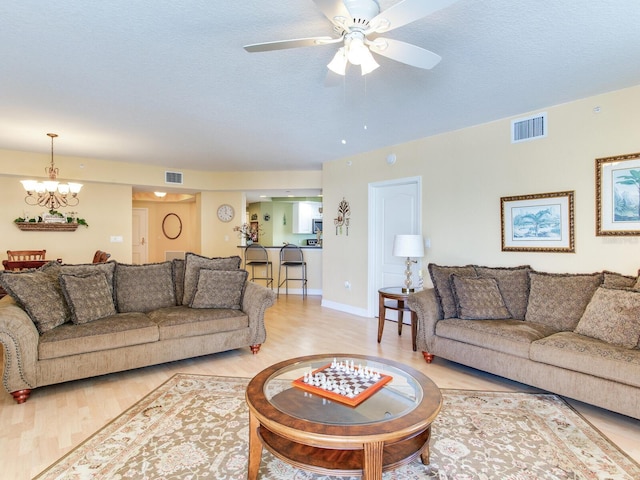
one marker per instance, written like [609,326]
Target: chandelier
[51,193]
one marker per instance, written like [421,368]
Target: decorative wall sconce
[344,212]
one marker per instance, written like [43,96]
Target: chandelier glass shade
[51,193]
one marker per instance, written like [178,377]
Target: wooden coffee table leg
[255,448]
[424,456]
[372,468]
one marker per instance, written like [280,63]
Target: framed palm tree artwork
[540,222]
[618,195]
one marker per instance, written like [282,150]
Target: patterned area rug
[195,427]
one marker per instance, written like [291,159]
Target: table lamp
[408,246]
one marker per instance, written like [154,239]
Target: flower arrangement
[249,232]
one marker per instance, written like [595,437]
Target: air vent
[529,128]
[173,177]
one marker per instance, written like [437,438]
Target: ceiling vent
[529,128]
[174,178]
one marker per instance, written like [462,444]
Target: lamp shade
[408,246]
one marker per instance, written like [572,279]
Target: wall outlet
[116,239]
[347,285]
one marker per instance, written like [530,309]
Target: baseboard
[361,312]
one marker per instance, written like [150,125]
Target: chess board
[365,386]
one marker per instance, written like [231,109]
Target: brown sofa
[576,335]
[66,322]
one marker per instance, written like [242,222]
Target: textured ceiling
[168,83]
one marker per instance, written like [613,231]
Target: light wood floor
[58,418]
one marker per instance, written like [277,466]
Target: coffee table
[389,429]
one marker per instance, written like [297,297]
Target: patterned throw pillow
[40,294]
[219,289]
[514,286]
[89,296]
[178,279]
[613,315]
[440,277]
[617,280]
[478,298]
[108,268]
[143,288]
[559,299]
[192,265]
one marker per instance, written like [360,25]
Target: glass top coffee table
[312,431]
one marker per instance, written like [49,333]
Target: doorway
[394,208]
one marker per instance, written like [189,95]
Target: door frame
[373,266]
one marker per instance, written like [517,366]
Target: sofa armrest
[425,304]
[19,338]
[257,298]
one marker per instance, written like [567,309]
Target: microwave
[317,225]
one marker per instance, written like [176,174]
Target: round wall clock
[225,212]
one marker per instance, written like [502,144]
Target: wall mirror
[171,226]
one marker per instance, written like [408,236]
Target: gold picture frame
[618,195]
[542,222]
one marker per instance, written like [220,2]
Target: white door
[395,208]
[140,235]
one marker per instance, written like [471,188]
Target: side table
[386,297]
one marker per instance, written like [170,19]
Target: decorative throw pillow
[478,298]
[219,289]
[108,268]
[40,294]
[192,265]
[514,287]
[142,288]
[440,277]
[88,296]
[178,279]
[559,299]
[613,315]
[617,280]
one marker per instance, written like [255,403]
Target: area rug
[196,427]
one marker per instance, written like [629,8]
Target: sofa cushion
[507,336]
[178,279]
[514,286]
[588,355]
[40,294]
[143,288]
[182,321]
[440,277]
[219,289]
[120,330]
[108,268]
[617,280]
[478,298]
[193,264]
[613,315]
[559,300]
[88,296]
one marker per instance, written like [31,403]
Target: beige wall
[106,208]
[464,174]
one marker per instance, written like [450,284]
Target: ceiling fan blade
[335,11]
[405,53]
[294,43]
[405,12]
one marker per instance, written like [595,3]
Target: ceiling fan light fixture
[339,63]
[368,64]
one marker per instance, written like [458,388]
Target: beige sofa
[66,322]
[576,335]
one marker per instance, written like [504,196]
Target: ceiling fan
[358,23]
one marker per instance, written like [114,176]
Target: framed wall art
[538,223]
[618,195]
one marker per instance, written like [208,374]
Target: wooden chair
[101,257]
[23,264]
[19,255]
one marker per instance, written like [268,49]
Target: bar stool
[291,257]
[256,256]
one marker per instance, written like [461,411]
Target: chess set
[343,382]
